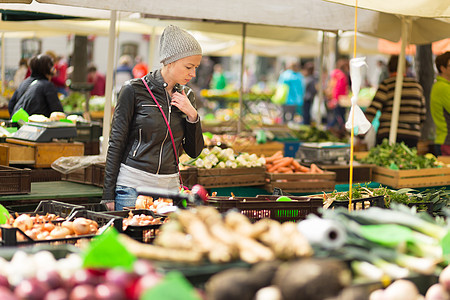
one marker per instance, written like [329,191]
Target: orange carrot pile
[277,163]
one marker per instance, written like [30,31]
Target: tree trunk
[426,74]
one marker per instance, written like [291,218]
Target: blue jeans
[125,196]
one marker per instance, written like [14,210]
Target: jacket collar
[156,79]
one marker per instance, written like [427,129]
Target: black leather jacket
[139,135]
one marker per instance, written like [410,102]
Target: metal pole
[241,88]
[107,114]
[399,82]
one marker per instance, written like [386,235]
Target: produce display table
[56,190]
[38,155]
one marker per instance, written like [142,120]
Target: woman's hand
[182,102]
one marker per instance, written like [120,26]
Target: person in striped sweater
[412,107]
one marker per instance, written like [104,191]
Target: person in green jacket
[440,103]
[218,82]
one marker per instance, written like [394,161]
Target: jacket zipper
[167,132]
[139,143]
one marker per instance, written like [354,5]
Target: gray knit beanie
[176,43]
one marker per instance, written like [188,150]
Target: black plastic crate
[102,219]
[377,201]
[141,233]
[58,208]
[266,206]
[98,207]
[10,235]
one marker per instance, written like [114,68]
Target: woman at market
[440,103]
[412,107]
[154,116]
[37,94]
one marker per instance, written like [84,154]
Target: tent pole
[109,82]
[152,63]
[320,68]
[399,81]
[241,79]
[3,64]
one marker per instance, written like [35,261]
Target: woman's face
[183,70]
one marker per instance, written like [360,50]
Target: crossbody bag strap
[168,126]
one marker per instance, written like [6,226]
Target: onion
[444,278]
[81,226]
[6,294]
[58,294]
[401,290]
[68,225]
[50,277]
[31,289]
[48,226]
[437,292]
[59,232]
[23,222]
[109,291]
[83,292]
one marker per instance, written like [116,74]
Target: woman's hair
[442,60]
[41,65]
[393,63]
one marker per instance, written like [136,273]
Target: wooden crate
[38,155]
[85,175]
[98,175]
[14,181]
[361,173]
[301,182]
[228,177]
[411,178]
[267,149]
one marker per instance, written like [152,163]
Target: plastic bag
[318,110]
[359,122]
[281,94]
[69,164]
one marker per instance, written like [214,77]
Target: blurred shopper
[97,79]
[123,73]
[140,69]
[60,72]
[338,87]
[384,72]
[310,82]
[440,103]
[21,73]
[412,107]
[294,100]
[36,94]
[218,81]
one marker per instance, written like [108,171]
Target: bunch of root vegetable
[277,163]
[195,235]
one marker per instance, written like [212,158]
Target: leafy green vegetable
[398,157]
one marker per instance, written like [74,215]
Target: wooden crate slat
[229,171]
[412,178]
[235,180]
[302,176]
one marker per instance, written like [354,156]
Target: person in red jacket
[140,69]
[98,79]
[60,72]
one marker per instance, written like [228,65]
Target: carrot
[304,169]
[316,169]
[283,163]
[276,155]
[285,170]
[297,166]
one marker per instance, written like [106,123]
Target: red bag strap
[168,126]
